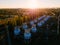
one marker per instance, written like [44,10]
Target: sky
[29,3]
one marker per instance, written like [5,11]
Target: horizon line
[30,8]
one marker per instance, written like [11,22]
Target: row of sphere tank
[31,27]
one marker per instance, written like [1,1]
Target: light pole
[58,25]
[47,31]
[9,40]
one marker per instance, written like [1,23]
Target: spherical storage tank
[17,31]
[33,29]
[27,35]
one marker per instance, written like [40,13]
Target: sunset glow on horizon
[30,4]
[33,4]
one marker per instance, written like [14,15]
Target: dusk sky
[29,3]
